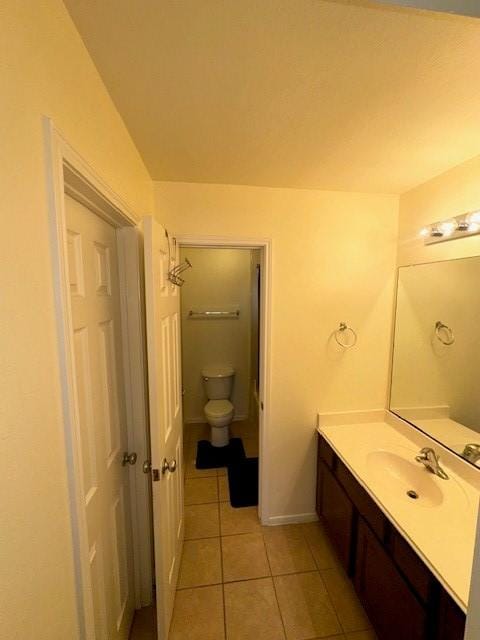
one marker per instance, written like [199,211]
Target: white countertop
[443,534]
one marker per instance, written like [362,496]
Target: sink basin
[404,476]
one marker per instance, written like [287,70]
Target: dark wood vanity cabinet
[338,514]
[401,596]
[394,610]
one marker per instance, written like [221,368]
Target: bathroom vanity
[404,536]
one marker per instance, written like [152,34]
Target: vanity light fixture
[467,224]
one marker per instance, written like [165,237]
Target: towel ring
[341,329]
[448,337]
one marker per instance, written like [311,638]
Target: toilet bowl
[218,381]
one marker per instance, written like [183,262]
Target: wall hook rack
[174,273]
[176,270]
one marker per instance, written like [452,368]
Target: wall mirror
[436,358]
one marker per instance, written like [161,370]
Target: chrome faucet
[429,458]
[471,452]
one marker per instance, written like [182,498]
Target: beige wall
[218,281]
[452,193]
[333,260]
[44,70]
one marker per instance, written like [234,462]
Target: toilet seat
[215,409]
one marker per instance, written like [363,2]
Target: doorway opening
[250,424]
[220,328]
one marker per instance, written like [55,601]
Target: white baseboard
[203,420]
[291,519]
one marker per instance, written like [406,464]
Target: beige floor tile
[287,550]
[201,490]
[322,551]
[349,610]
[243,520]
[201,521]
[244,557]
[223,490]
[369,634]
[305,606]
[144,625]
[198,614]
[251,611]
[201,563]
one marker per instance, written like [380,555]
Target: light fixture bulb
[447,227]
[436,232]
[425,232]
[463,225]
[473,218]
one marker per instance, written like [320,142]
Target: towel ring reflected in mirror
[341,332]
[444,333]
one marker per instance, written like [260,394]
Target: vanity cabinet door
[337,512]
[451,620]
[395,612]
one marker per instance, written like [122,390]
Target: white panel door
[164,380]
[95,309]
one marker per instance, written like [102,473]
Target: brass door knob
[129,458]
[169,466]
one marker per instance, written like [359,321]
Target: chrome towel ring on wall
[444,333]
[341,332]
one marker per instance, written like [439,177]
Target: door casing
[68,173]
[265,244]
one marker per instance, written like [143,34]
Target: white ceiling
[292,93]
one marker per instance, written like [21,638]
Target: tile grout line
[274,589]
[327,591]
[221,563]
[331,600]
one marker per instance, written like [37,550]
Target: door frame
[68,173]
[265,244]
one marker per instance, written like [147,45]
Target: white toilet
[218,382]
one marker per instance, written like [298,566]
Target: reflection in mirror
[436,358]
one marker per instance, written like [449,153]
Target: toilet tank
[218,381]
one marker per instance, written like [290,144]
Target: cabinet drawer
[362,501]
[417,574]
[326,453]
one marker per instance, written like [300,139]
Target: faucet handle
[425,452]
[471,452]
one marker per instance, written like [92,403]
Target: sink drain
[412,494]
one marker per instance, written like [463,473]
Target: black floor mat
[210,457]
[243,482]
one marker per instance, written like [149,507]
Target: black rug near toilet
[210,457]
[243,482]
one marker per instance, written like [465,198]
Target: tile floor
[241,581]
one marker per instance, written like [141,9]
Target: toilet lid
[218,408]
